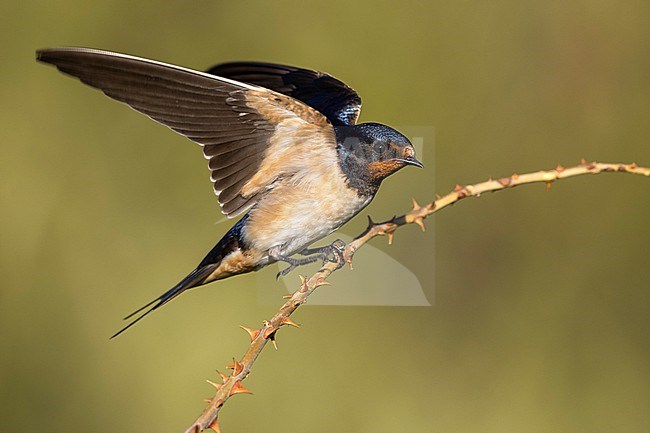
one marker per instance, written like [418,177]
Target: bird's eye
[380,147]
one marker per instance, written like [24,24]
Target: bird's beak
[410,160]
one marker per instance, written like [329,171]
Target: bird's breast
[301,210]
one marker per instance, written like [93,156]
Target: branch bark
[232,384]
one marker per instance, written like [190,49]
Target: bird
[283,145]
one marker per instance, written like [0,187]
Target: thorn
[390,237]
[348,259]
[438,197]
[270,334]
[222,376]
[215,426]
[287,296]
[267,332]
[287,321]
[238,388]
[416,206]
[559,168]
[457,188]
[207,399]
[237,367]
[274,343]
[548,185]
[252,332]
[216,385]
[303,282]
[514,176]
[371,223]
[583,162]
[490,179]
[419,221]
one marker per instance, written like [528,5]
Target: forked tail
[229,244]
[195,278]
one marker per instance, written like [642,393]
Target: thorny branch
[232,384]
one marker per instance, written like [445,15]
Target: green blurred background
[540,300]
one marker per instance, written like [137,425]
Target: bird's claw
[285,271]
[336,249]
[293,264]
[330,253]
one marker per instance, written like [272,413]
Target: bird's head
[373,151]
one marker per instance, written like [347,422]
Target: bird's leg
[274,253]
[334,250]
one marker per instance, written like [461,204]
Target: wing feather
[336,100]
[249,134]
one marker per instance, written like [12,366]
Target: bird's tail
[195,278]
[231,243]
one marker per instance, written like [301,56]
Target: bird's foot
[293,263]
[329,253]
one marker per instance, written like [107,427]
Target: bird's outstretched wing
[336,100]
[251,135]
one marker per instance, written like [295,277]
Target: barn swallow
[283,145]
